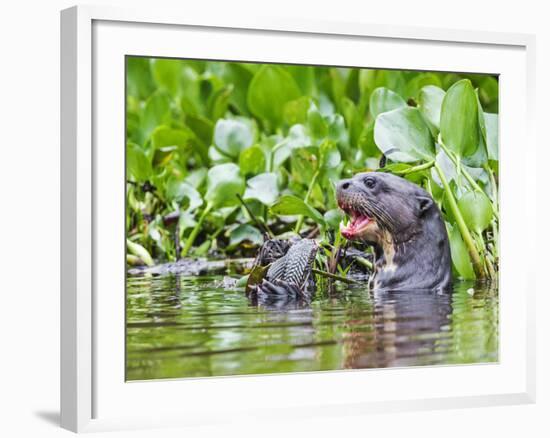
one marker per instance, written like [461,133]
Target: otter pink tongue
[355,225]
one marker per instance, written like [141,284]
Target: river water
[181,327]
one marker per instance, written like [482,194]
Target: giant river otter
[404,225]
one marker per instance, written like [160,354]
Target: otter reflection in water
[405,328]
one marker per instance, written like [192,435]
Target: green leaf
[352,119]
[403,136]
[449,170]
[337,130]
[224,182]
[491,126]
[245,232]
[178,191]
[459,119]
[167,74]
[202,127]
[420,81]
[459,255]
[140,251]
[430,99]
[232,136]
[296,110]
[263,187]
[139,166]
[290,205]
[219,102]
[476,210]
[383,99]
[139,80]
[316,124]
[329,155]
[270,89]
[165,136]
[155,113]
[333,218]
[252,161]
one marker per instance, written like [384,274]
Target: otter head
[382,208]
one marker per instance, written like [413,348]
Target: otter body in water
[404,225]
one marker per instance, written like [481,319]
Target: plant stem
[306,200]
[334,276]
[415,168]
[474,255]
[262,225]
[195,232]
[462,171]
[363,261]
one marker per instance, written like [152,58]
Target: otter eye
[370,182]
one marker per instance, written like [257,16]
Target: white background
[29,218]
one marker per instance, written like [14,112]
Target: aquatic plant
[221,153]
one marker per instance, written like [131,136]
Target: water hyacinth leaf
[219,102]
[138,77]
[224,183]
[191,101]
[459,119]
[245,232]
[329,155]
[232,136]
[167,74]
[202,127]
[155,113]
[337,130]
[270,89]
[352,120]
[165,136]
[403,136]
[430,99]
[476,210]
[137,162]
[304,77]
[333,218]
[297,137]
[449,170]
[420,81]
[216,157]
[491,126]
[317,126]
[179,191]
[263,187]
[296,110]
[459,255]
[252,161]
[290,205]
[304,162]
[383,99]
[140,251]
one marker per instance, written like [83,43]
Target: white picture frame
[93,396]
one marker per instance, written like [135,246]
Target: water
[181,327]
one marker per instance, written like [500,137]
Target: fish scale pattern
[295,266]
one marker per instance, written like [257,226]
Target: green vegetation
[220,153]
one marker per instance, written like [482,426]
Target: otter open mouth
[357,224]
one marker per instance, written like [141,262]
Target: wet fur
[408,235]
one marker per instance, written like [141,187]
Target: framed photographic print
[273,217]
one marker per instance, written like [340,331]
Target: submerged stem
[334,276]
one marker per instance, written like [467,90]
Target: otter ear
[424,203]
